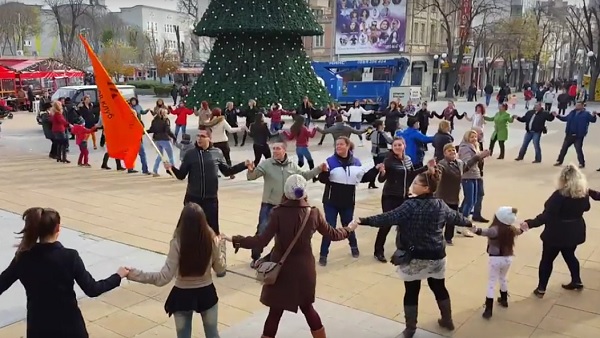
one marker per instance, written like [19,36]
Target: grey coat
[340,129]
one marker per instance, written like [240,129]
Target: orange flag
[122,129]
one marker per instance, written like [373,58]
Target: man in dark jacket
[535,126]
[578,122]
[198,165]
[47,128]
[488,90]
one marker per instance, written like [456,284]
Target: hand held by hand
[324,167]
[122,272]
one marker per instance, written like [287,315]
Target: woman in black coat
[565,228]
[48,271]
[441,138]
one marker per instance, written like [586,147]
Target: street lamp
[590,54]
[436,76]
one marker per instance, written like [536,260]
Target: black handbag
[402,257]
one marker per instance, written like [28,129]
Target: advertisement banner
[370,26]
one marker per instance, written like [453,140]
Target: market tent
[39,68]
[6,73]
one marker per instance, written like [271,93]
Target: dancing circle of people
[421,198]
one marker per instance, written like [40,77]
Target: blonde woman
[564,226]
[472,181]
[59,131]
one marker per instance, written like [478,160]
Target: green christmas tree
[258,54]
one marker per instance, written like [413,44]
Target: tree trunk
[534,69]
[595,71]
[452,77]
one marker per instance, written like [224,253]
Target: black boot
[446,313]
[503,299]
[489,306]
[410,316]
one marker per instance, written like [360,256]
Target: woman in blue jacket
[415,141]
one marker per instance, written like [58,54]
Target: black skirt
[197,300]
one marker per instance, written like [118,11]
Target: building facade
[157,23]
[424,38]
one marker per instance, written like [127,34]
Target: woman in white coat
[219,129]
[355,115]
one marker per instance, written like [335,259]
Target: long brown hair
[506,236]
[297,126]
[39,224]
[195,241]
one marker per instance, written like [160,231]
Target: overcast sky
[114,5]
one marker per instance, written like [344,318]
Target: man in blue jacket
[578,122]
[415,141]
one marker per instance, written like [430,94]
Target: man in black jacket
[535,126]
[488,90]
[198,165]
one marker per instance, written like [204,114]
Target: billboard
[370,26]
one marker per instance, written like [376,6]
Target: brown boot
[410,317]
[446,313]
[320,333]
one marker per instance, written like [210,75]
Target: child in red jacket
[181,121]
[81,136]
[528,95]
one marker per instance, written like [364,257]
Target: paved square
[116,218]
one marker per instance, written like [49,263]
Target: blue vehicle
[345,82]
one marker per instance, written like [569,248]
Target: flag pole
[162,156]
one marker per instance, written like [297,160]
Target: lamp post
[479,66]
[436,76]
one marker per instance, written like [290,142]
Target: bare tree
[584,22]
[540,19]
[163,58]
[19,22]
[453,14]
[489,42]
[69,15]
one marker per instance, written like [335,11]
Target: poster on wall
[370,26]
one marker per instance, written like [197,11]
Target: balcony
[318,3]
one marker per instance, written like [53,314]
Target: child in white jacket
[355,115]
[548,99]
[500,247]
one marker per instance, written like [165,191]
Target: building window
[318,41]
[416,33]
[318,13]
[433,36]
[152,26]
[423,31]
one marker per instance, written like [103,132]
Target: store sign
[466,6]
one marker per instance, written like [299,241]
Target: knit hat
[295,187]
[506,215]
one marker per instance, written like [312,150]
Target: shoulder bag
[267,272]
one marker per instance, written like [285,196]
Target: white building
[157,23]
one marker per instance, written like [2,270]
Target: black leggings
[493,143]
[272,323]
[549,254]
[387,203]
[224,146]
[260,150]
[449,228]
[412,289]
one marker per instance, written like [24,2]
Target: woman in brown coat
[297,280]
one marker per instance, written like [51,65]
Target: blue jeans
[143,159]
[179,127]
[535,137]
[331,215]
[488,98]
[473,191]
[263,221]
[276,126]
[162,147]
[302,153]
[183,323]
[307,120]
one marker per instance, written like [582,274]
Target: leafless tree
[19,22]
[457,23]
[540,19]
[584,22]
[69,16]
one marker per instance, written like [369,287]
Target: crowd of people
[420,197]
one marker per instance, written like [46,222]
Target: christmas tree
[258,54]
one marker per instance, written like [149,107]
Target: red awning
[6,73]
[56,73]
[19,64]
